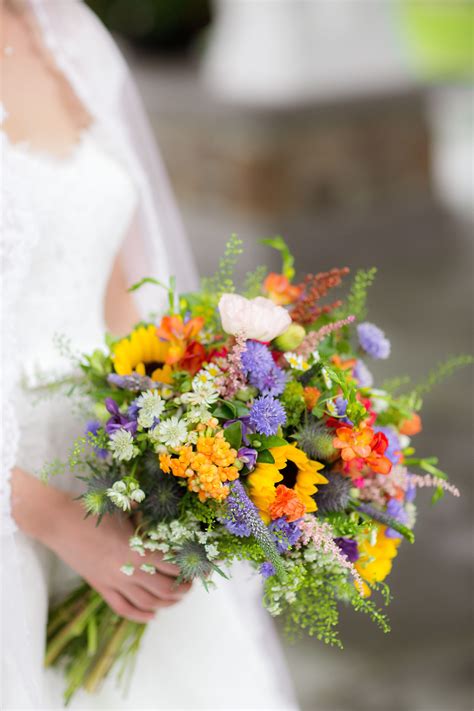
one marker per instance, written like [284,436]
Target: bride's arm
[119,307]
[95,552]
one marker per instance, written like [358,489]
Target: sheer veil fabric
[156,246]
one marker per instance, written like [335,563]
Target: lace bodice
[82,206]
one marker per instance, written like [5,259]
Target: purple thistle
[372,340]
[363,375]
[348,547]
[248,456]
[118,420]
[267,570]
[267,414]
[285,533]
[92,428]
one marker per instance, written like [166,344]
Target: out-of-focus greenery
[163,25]
[441,36]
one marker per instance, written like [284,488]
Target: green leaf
[241,410]
[233,434]
[288,260]
[265,457]
[269,441]
[225,411]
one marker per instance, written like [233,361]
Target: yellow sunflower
[144,353]
[291,468]
[376,556]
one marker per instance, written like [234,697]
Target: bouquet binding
[247,427]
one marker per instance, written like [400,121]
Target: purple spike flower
[267,570]
[286,533]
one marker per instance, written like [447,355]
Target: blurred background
[347,127]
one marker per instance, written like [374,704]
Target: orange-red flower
[412,426]
[287,503]
[346,364]
[353,443]
[179,335]
[376,459]
[279,289]
[311,396]
[193,358]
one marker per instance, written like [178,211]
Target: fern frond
[357,299]
[222,281]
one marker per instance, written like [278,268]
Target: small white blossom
[151,406]
[202,536]
[118,493]
[316,356]
[202,377]
[297,362]
[290,597]
[404,441]
[121,445]
[331,408]
[202,394]
[172,432]
[166,392]
[212,550]
[136,544]
[148,568]
[326,378]
[135,493]
[379,401]
[197,415]
[127,569]
[213,370]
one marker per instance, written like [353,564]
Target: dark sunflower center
[290,473]
[151,367]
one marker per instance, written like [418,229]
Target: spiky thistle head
[193,562]
[163,491]
[95,499]
[334,496]
[316,441]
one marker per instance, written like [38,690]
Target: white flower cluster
[151,406]
[122,446]
[124,493]
[172,432]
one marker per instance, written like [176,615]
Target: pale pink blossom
[258,319]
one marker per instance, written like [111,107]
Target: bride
[86,210]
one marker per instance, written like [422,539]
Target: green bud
[245,394]
[291,338]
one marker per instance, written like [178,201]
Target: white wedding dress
[65,220]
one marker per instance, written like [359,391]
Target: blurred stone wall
[348,183]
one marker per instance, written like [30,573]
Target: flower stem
[73,629]
[109,656]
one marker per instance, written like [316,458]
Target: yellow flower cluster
[206,467]
[375,561]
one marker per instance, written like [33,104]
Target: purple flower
[286,533]
[341,407]
[256,359]
[363,375]
[246,426]
[267,414]
[267,570]
[373,340]
[92,428]
[248,456]
[348,547]
[410,493]
[118,420]
[133,382]
[395,510]
[272,383]
[394,445]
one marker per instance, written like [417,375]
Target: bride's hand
[96,552]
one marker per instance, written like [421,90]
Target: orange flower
[353,443]
[311,396]
[178,334]
[376,459]
[193,358]
[287,503]
[412,426]
[346,364]
[279,289]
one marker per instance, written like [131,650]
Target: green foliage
[393,384]
[288,260]
[253,282]
[232,548]
[222,281]
[357,299]
[206,512]
[441,372]
[293,402]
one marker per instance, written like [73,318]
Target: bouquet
[247,427]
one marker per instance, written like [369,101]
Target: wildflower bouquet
[247,427]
